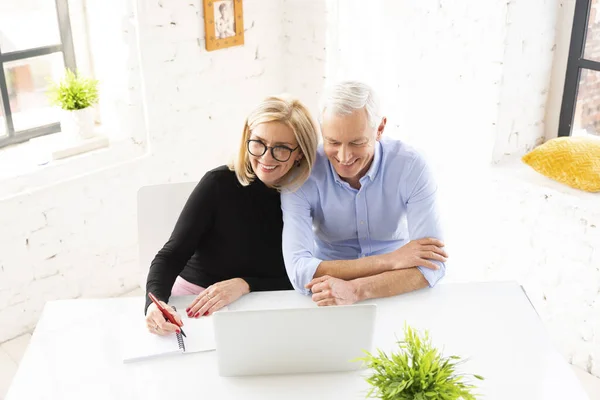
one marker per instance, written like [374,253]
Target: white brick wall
[505,225]
[452,72]
[526,70]
[437,66]
[454,79]
[304,54]
[78,238]
[467,82]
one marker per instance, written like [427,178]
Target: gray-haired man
[366,223]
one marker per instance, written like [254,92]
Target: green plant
[73,92]
[417,372]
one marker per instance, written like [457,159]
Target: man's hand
[417,253]
[328,291]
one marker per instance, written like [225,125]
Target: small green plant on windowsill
[75,95]
[73,92]
[417,372]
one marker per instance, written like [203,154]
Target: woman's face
[271,166]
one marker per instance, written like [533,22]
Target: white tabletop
[74,352]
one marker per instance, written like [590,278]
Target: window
[580,110]
[35,47]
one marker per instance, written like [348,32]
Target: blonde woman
[227,240]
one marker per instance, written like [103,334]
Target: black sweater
[225,231]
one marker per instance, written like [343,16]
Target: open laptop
[297,340]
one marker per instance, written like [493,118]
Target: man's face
[349,143]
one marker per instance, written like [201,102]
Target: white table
[74,351]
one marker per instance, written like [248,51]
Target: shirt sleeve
[423,214]
[195,221]
[298,240]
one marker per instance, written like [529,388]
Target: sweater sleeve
[265,284]
[194,223]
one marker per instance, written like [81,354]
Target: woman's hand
[156,323]
[217,296]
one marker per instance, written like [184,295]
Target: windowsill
[521,173]
[30,166]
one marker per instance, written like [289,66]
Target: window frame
[575,64]
[66,47]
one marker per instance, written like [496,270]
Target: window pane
[26,24]
[28,81]
[592,41]
[587,108]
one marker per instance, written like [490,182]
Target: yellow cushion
[574,161]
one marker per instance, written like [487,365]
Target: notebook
[139,344]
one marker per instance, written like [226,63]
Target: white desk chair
[158,208]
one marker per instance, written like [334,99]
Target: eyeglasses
[279,153]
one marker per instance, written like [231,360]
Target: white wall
[437,66]
[467,82]
[564,25]
[518,225]
[304,55]
[471,76]
[113,54]
[526,70]
[78,238]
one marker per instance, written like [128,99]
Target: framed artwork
[223,23]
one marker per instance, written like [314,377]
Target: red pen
[165,313]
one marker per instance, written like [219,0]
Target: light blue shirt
[327,219]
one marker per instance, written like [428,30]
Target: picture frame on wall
[223,24]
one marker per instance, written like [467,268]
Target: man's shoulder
[321,166]
[319,175]
[399,154]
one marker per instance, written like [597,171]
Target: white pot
[78,123]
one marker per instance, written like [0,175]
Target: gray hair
[345,97]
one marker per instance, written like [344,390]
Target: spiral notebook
[139,344]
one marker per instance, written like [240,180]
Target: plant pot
[78,124]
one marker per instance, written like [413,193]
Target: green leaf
[73,92]
[417,370]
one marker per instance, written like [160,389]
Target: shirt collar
[371,173]
[336,177]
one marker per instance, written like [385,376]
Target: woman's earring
[297,163]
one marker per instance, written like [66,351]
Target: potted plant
[418,371]
[75,95]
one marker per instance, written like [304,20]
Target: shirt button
[362,222]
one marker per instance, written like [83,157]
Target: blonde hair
[291,112]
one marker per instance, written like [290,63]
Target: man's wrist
[359,290]
[382,263]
